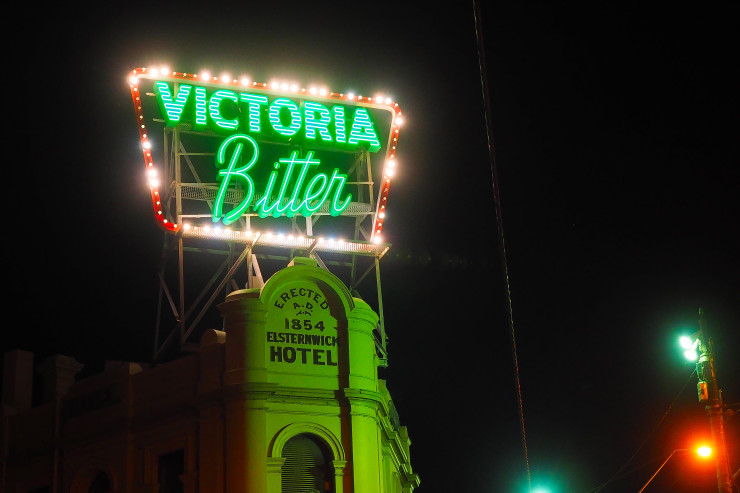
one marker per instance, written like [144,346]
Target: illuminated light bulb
[685,342]
[350,96]
[388,100]
[322,92]
[206,229]
[690,354]
[284,86]
[225,77]
[389,172]
[146,144]
[164,70]
[134,80]
[391,163]
[205,76]
[186,226]
[294,88]
[379,98]
[313,90]
[704,451]
[376,239]
[381,215]
[399,120]
[245,81]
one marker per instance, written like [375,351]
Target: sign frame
[274,90]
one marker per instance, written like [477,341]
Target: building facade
[285,399]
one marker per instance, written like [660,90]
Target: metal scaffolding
[203,262]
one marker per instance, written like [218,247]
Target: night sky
[614,139]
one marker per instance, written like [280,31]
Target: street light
[698,348]
[703,451]
[689,347]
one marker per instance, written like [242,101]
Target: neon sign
[303,201]
[275,145]
[286,118]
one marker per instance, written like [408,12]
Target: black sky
[615,141]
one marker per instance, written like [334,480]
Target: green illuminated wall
[300,358]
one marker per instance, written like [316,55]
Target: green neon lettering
[339,124]
[310,204]
[230,172]
[317,119]
[172,108]
[263,207]
[311,121]
[334,208]
[296,206]
[200,107]
[254,102]
[279,209]
[363,130]
[274,116]
[214,108]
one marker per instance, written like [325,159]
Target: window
[171,467]
[100,484]
[306,468]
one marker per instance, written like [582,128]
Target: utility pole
[709,395]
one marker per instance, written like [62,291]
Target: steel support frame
[241,257]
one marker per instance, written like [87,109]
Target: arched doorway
[307,467]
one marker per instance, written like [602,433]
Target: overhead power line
[500,227]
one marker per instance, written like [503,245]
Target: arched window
[100,483]
[307,467]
